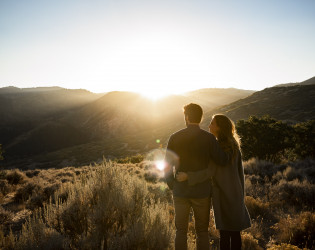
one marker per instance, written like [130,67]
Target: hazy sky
[156,46]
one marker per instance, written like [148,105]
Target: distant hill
[310,81]
[56,127]
[23,110]
[38,123]
[213,97]
[35,103]
[291,104]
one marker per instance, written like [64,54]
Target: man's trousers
[201,209]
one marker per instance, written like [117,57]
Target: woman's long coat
[230,212]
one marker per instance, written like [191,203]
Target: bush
[258,209]
[249,242]
[106,208]
[32,173]
[299,195]
[5,188]
[283,246]
[24,192]
[15,177]
[299,230]
[5,216]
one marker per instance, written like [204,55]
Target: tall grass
[128,206]
[105,209]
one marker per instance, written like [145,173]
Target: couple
[202,166]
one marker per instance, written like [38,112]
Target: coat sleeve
[170,161]
[217,153]
[241,172]
[202,175]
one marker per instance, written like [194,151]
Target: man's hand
[181,176]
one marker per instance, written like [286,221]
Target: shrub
[105,208]
[32,173]
[3,174]
[283,246]
[5,188]
[258,209]
[151,176]
[5,216]
[42,195]
[36,235]
[249,242]
[15,177]
[294,193]
[299,230]
[24,192]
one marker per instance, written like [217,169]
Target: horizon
[156,48]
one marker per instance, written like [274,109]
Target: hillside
[29,104]
[310,81]
[292,104]
[24,112]
[43,127]
[213,97]
[119,124]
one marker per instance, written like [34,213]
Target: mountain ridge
[120,123]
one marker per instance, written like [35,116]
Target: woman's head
[224,129]
[221,125]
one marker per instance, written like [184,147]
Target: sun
[160,165]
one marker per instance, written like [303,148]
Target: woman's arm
[194,178]
[241,171]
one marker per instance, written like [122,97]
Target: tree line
[272,140]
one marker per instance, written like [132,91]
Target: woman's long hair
[227,135]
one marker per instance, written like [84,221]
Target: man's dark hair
[193,112]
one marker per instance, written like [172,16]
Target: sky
[156,47]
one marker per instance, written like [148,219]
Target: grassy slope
[100,198]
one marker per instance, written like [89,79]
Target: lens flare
[160,165]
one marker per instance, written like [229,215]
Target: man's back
[194,147]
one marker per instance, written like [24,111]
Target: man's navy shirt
[190,150]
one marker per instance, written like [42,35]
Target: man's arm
[170,162]
[200,176]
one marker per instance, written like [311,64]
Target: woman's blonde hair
[227,135]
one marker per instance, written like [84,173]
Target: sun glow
[153,95]
[160,165]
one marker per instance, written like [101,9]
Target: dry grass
[128,206]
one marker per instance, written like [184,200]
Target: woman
[230,213]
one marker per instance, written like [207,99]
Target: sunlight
[153,95]
[160,165]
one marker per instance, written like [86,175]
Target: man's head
[193,113]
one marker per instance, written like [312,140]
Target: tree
[1,152]
[264,138]
[304,139]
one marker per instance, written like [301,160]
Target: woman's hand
[181,176]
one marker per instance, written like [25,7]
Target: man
[191,149]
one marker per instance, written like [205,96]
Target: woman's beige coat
[230,212]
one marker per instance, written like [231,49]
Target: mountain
[22,111]
[291,104]
[213,97]
[310,81]
[35,103]
[39,123]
